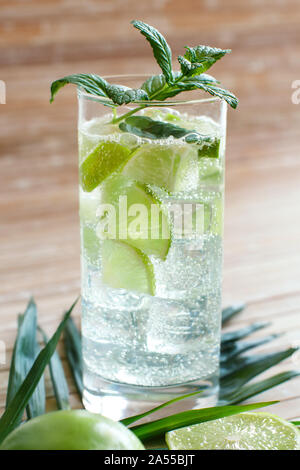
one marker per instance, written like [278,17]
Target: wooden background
[41,40]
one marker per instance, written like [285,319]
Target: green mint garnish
[144,126]
[193,65]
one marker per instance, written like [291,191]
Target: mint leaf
[144,126]
[209,86]
[160,90]
[225,95]
[209,148]
[122,95]
[157,87]
[161,49]
[198,59]
[205,78]
[91,83]
[96,85]
[154,84]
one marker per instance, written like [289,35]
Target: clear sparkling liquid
[168,339]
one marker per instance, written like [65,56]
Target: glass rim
[103,99]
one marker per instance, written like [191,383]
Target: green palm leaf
[11,417]
[25,351]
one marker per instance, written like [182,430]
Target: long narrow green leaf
[25,351]
[14,378]
[37,403]
[187,418]
[58,379]
[10,418]
[228,338]
[133,419]
[247,369]
[249,391]
[72,342]
[22,349]
[240,347]
[229,312]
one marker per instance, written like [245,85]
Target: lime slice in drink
[88,206]
[140,219]
[101,162]
[90,133]
[171,167]
[126,267]
[210,171]
[86,145]
[90,245]
[245,431]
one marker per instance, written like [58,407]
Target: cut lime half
[104,160]
[126,267]
[140,220]
[244,431]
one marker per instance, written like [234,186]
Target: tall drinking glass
[151,216]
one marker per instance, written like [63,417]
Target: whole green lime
[71,430]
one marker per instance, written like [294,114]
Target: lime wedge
[140,219]
[245,431]
[126,267]
[104,160]
[171,167]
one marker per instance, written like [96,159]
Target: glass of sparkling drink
[151,217]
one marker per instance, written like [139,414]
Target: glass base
[118,401]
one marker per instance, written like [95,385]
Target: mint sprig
[193,65]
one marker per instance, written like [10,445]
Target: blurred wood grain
[39,240]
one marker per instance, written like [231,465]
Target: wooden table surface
[39,238]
